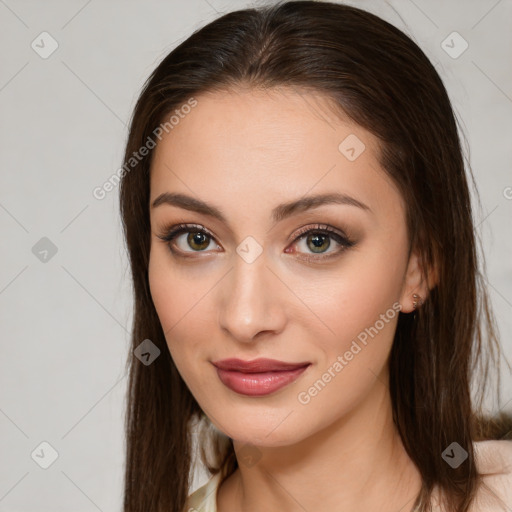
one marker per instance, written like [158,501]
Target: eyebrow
[279,213]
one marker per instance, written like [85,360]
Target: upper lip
[257,365]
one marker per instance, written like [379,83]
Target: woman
[306,284]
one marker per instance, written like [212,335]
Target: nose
[252,302]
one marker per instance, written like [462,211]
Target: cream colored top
[491,456]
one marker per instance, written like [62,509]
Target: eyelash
[172,232]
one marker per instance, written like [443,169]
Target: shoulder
[494,462]
[204,499]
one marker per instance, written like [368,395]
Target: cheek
[358,308]
[181,303]
[351,362]
[352,298]
[163,286]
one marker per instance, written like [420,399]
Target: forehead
[263,147]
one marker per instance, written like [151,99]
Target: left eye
[318,242]
[316,239]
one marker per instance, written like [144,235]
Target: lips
[258,377]
[257,365]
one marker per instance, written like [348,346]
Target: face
[316,283]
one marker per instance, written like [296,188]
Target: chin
[263,432]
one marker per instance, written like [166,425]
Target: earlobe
[416,289]
[418,300]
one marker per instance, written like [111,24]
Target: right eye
[198,238]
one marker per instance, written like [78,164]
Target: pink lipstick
[258,377]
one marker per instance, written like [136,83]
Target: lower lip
[258,384]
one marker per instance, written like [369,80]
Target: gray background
[65,320]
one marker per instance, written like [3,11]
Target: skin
[246,151]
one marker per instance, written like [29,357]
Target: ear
[415,282]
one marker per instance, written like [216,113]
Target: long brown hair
[383,81]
